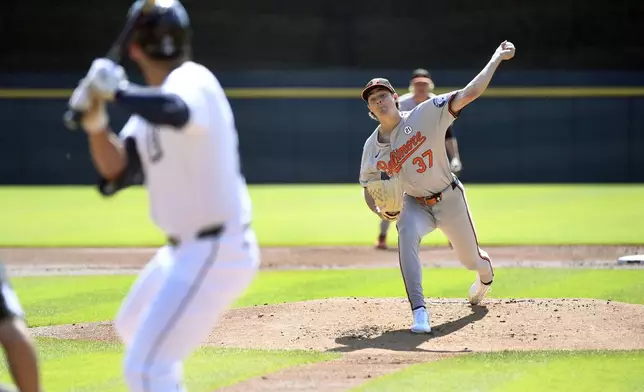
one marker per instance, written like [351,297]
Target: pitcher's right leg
[414,223]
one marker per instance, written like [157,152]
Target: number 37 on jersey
[421,158]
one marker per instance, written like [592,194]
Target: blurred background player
[16,341]
[421,88]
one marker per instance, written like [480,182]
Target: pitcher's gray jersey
[416,150]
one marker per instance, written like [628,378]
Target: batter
[182,144]
[412,145]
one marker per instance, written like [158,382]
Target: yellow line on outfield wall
[335,93]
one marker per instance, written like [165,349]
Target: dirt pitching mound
[379,326]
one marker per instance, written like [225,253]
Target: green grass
[84,366]
[330,215]
[521,371]
[66,299]
[58,299]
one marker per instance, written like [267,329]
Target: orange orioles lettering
[398,156]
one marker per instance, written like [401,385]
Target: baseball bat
[72,117]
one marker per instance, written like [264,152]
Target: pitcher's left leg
[455,221]
[207,276]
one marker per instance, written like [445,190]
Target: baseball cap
[420,75]
[377,82]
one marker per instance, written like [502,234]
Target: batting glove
[95,118]
[105,78]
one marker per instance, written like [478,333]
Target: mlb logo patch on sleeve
[439,102]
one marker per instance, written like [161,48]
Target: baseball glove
[387,196]
[390,216]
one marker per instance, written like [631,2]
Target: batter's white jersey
[193,174]
[194,184]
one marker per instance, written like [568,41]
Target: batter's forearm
[476,87]
[108,154]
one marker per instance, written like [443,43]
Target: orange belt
[430,200]
[436,197]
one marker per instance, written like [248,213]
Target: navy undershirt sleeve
[156,106]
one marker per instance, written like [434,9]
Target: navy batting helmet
[161,28]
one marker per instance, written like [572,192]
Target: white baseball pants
[176,301]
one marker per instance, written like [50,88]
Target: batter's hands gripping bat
[73,117]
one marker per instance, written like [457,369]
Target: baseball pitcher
[421,193]
[421,87]
[182,144]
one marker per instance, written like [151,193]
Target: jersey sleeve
[437,111]
[132,127]
[193,93]
[368,171]
[10,306]
[441,104]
